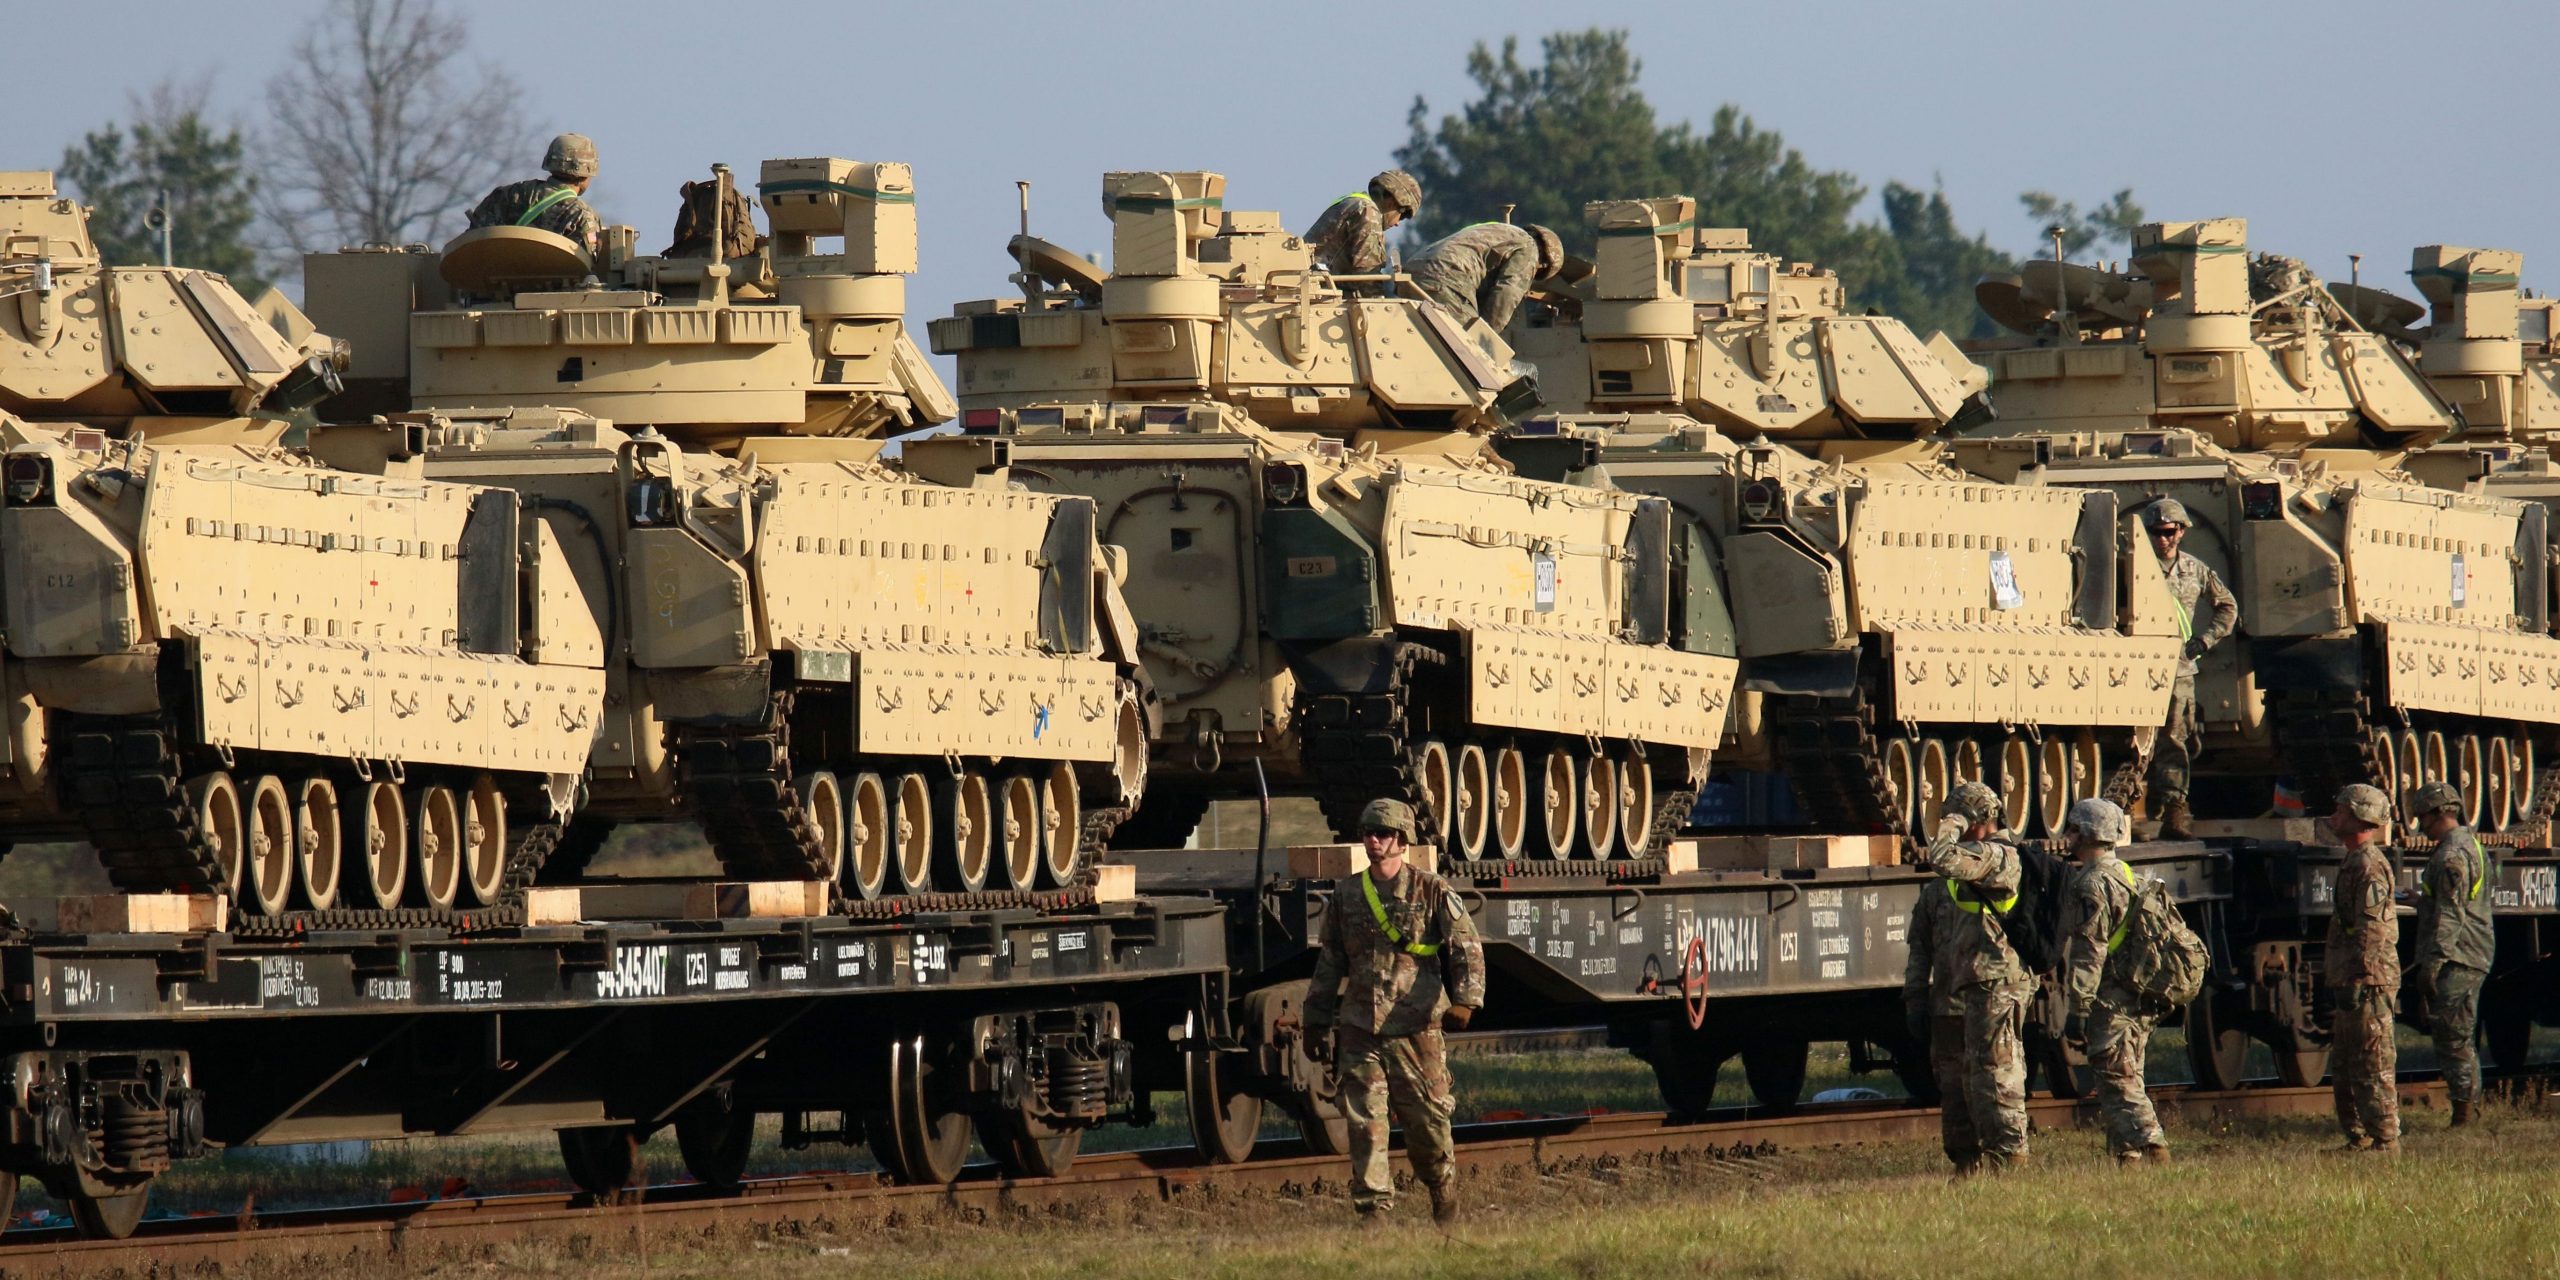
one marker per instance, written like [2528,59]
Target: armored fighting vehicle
[905,674]
[1341,591]
[1901,625]
[229,668]
[2394,633]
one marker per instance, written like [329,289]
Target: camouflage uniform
[1980,877]
[2194,585]
[1482,271]
[2456,939]
[1387,1003]
[2363,977]
[1933,1005]
[522,204]
[2097,898]
[1350,238]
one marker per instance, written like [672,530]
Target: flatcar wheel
[435,833]
[1026,1146]
[604,1160]
[927,1141]
[2066,1070]
[1061,827]
[1017,834]
[964,824]
[2300,1068]
[1224,1118]
[1557,803]
[318,842]
[1902,782]
[911,832]
[1438,771]
[2497,802]
[375,824]
[223,817]
[1510,801]
[111,1217]
[868,834]
[2217,1049]
[484,842]
[2017,784]
[1474,800]
[1599,803]
[1323,1126]
[1685,1064]
[271,854]
[716,1135]
[1635,803]
[1929,783]
[8,1198]
[1775,1070]
[2470,773]
[2506,1019]
[2053,784]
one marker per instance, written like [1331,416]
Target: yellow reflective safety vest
[1378,911]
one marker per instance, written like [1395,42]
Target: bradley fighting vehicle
[2393,632]
[1901,626]
[1336,583]
[231,669]
[903,674]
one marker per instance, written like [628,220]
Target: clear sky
[2334,127]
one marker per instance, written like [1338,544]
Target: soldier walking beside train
[1982,880]
[550,203]
[1350,237]
[2128,959]
[2363,975]
[2456,939]
[1933,1010]
[1400,960]
[2193,585]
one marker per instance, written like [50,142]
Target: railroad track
[1165,1175]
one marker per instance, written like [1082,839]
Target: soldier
[1982,877]
[1933,1010]
[1350,237]
[2455,939]
[2363,975]
[1485,270]
[2103,1015]
[1400,961]
[552,203]
[2193,585]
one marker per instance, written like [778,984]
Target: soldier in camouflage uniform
[2112,1021]
[1351,236]
[1982,877]
[2363,975]
[2194,586]
[1933,1010]
[1485,270]
[2456,940]
[1400,960]
[551,204]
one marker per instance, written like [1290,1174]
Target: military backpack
[2153,953]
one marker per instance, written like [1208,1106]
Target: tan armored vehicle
[904,674]
[1336,583]
[229,668]
[1902,626]
[2394,633]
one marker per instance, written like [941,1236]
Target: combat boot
[2174,820]
[2356,1144]
[2384,1147]
[2128,1159]
[2461,1114]
[1966,1166]
[2156,1154]
[1444,1204]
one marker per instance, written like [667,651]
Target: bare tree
[382,135]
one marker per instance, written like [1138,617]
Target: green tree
[2111,223]
[120,171]
[1935,265]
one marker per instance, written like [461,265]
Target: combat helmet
[1397,188]
[2433,796]
[1388,815]
[2168,511]
[2367,804]
[571,155]
[1550,250]
[2100,818]
[1973,802]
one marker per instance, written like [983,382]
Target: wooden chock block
[758,900]
[1115,883]
[1679,857]
[559,904]
[142,913]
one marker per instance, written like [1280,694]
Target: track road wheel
[1558,803]
[1510,801]
[1474,806]
[1902,783]
[868,837]
[1224,1118]
[318,841]
[484,843]
[1599,804]
[2053,784]
[1436,768]
[1017,833]
[716,1135]
[926,1140]
[2412,763]
[964,822]
[911,835]
[435,832]
[110,1217]
[2017,781]
[2470,777]
[375,824]
[2435,757]
[604,1161]
[1061,827]
[1929,783]
[222,815]
[2387,767]
[2520,776]
[2217,1049]
[1775,1068]
[2497,801]
[1635,803]
[1026,1146]
[270,851]
[822,797]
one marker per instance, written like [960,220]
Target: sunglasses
[1381,833]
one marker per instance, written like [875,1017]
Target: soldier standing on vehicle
[2456,939]
[1400,960]
[1982,878]
[2194,586]
[1485,270]
[2363,975]
[1933,1011]
[551,203]
[1350,238]
[2111,1020]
